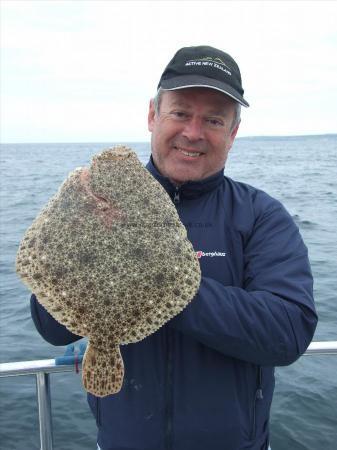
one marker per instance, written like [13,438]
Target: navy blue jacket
[205,380]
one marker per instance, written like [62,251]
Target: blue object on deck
[73,354]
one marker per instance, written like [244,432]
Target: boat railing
[71,362]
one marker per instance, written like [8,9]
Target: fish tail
[102,372]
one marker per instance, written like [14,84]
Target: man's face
[192,133]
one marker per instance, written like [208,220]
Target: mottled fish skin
[109,258]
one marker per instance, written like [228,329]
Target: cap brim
[189,81]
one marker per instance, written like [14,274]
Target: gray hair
[237,112]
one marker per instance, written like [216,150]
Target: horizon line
[148,141]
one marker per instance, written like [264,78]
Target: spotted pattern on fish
[109,258]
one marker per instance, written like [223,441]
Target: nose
[194,130]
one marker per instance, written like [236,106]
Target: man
[205,380]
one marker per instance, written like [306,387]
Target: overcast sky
[84,71]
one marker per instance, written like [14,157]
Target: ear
[151,116]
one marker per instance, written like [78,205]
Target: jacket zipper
[169,387]
[176,198]
[258,396]
[169,371]
[98,411]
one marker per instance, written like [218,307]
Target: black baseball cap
[203,66]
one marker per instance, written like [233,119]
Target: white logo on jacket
[201,254]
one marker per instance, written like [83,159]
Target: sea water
[299,171]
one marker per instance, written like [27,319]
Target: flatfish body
[109,258]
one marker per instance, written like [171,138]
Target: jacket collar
[190,189]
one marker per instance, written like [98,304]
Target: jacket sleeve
[51,330]
[271,319]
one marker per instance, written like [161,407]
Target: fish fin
[102,372]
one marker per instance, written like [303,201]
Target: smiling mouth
[187,153]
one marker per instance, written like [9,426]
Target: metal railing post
[44,404]
[43,368]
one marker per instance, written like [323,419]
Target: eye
[179,114]
[214,122]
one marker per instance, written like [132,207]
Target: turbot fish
[109,258]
